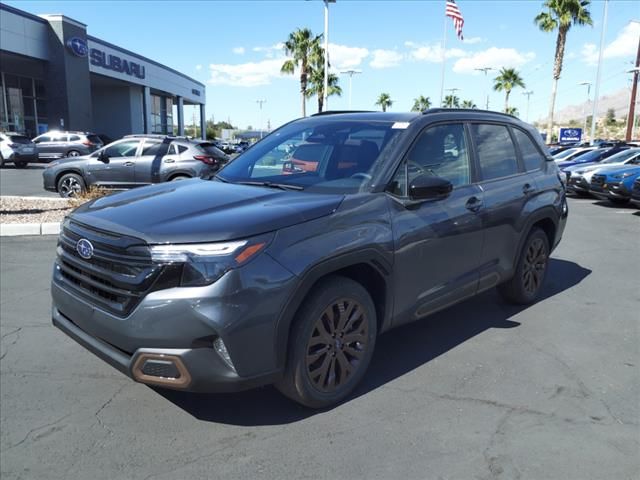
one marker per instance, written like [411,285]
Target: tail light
[88,143]
[206,159]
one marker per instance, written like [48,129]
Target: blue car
[579,175]
[616,184]
[591,157]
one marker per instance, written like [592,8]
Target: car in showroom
[579,176]
[17,149]
[54,144]
[259,276]
[615,184]
[134,161]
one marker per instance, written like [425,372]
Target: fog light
[221,348]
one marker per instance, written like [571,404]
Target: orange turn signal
[249,252]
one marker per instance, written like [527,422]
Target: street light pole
[325,94]
[528,94]
[260,103]
[584,109]
[632,104]
[350,73]
[485,70]
[599,71]
[453,91]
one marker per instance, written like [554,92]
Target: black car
[287,265]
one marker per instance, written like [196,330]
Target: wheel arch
[547,219]
[77,171]
[367,267]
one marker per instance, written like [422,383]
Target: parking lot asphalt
[23,181]
[483,390]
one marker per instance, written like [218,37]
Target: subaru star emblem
[78,46]
[84,248]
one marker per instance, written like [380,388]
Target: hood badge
[84,248]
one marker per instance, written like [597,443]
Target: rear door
[507,190]
[43,146]
[117,168]
[148,163]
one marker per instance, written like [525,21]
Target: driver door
[438,243]
[116,167]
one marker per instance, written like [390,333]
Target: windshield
[318,154]
[622,156]
[565,153]
[592,156]
[19,139]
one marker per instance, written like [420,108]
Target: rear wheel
[331,343]
[179,177]
[71,185]
[73,153]
[524,287]
[21,164]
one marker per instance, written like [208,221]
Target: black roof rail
[336,112]
[466,110]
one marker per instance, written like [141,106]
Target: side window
[182,149]
[173,149]
[74,138]
[123,149]
[439,151]
[155,148]
[530,154]
[496,152]
[43,138]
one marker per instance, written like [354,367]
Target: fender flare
[75,170]
[370,256]
[543,213]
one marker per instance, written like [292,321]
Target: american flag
[454,12]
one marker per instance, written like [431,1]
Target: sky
[235,48]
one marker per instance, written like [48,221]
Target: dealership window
[161,114]
[22,105]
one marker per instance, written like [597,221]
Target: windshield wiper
[281,186]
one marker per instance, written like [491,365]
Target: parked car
[52,145]
[615,184]
[17,149]
[579,176]
[592,156]
[572,153]
[134,161]
[258,277]
[635,193]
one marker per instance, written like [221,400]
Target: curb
[21,229]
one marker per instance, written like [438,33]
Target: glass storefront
[23,106]
[161,114]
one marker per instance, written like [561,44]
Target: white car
[572,153]
[17,148]
[579,176]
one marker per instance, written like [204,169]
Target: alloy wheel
[337,346]
[70,187]
[73,153]
[535,263]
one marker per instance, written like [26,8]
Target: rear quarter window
[19,139]
[74,138]
[531,156]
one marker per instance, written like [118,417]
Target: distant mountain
[618,100]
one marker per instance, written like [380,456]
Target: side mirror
[427,187]
[103,157]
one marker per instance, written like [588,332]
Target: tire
[323,366]
[21,164]
[177,178]
[73,153]
[525,286]
[71,185]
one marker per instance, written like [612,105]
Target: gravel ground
[33,210]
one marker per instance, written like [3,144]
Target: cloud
[624,45]
[238,50]
[198,67]
[343,57]
[473,40]
[270,51]
[252,74]
[386,59]
[493,57]
[431,52]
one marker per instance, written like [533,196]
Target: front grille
[117,276]
[598,180]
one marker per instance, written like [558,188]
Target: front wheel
[71,185]
[524,287]
[331,343]
[21,164]
[177,178]
[73,153]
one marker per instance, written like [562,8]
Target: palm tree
[384,101]
[469,104]
[451,101]
[561,15]
[299,46]
[421,103]
[508,79]
[512,111]
[315,84]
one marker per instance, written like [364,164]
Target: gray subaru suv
[286,266]
[134,161]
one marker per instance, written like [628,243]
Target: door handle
[527,189]
[169,160]
[128,164]
[474,204]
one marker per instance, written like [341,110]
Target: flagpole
[444,49]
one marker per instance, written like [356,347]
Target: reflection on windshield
[622,156]
[315,154]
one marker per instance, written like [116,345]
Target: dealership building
[54,76]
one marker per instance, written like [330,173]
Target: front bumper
[618,190]
[577,185]
[23,157]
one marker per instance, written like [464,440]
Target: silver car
[134,161]
[54,144]
[18,149]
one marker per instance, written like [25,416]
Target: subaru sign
[116,63]
[78,46]
[570,135]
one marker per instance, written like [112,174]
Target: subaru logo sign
[78,46]
[570,135]
[84,248]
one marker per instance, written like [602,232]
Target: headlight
[52,164]
[563,177]
[624,175]
[204,263]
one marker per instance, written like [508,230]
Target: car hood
[595,166]
[192,211]
[621,169]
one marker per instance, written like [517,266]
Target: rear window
[94,139]
[210,149]
[19,139]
